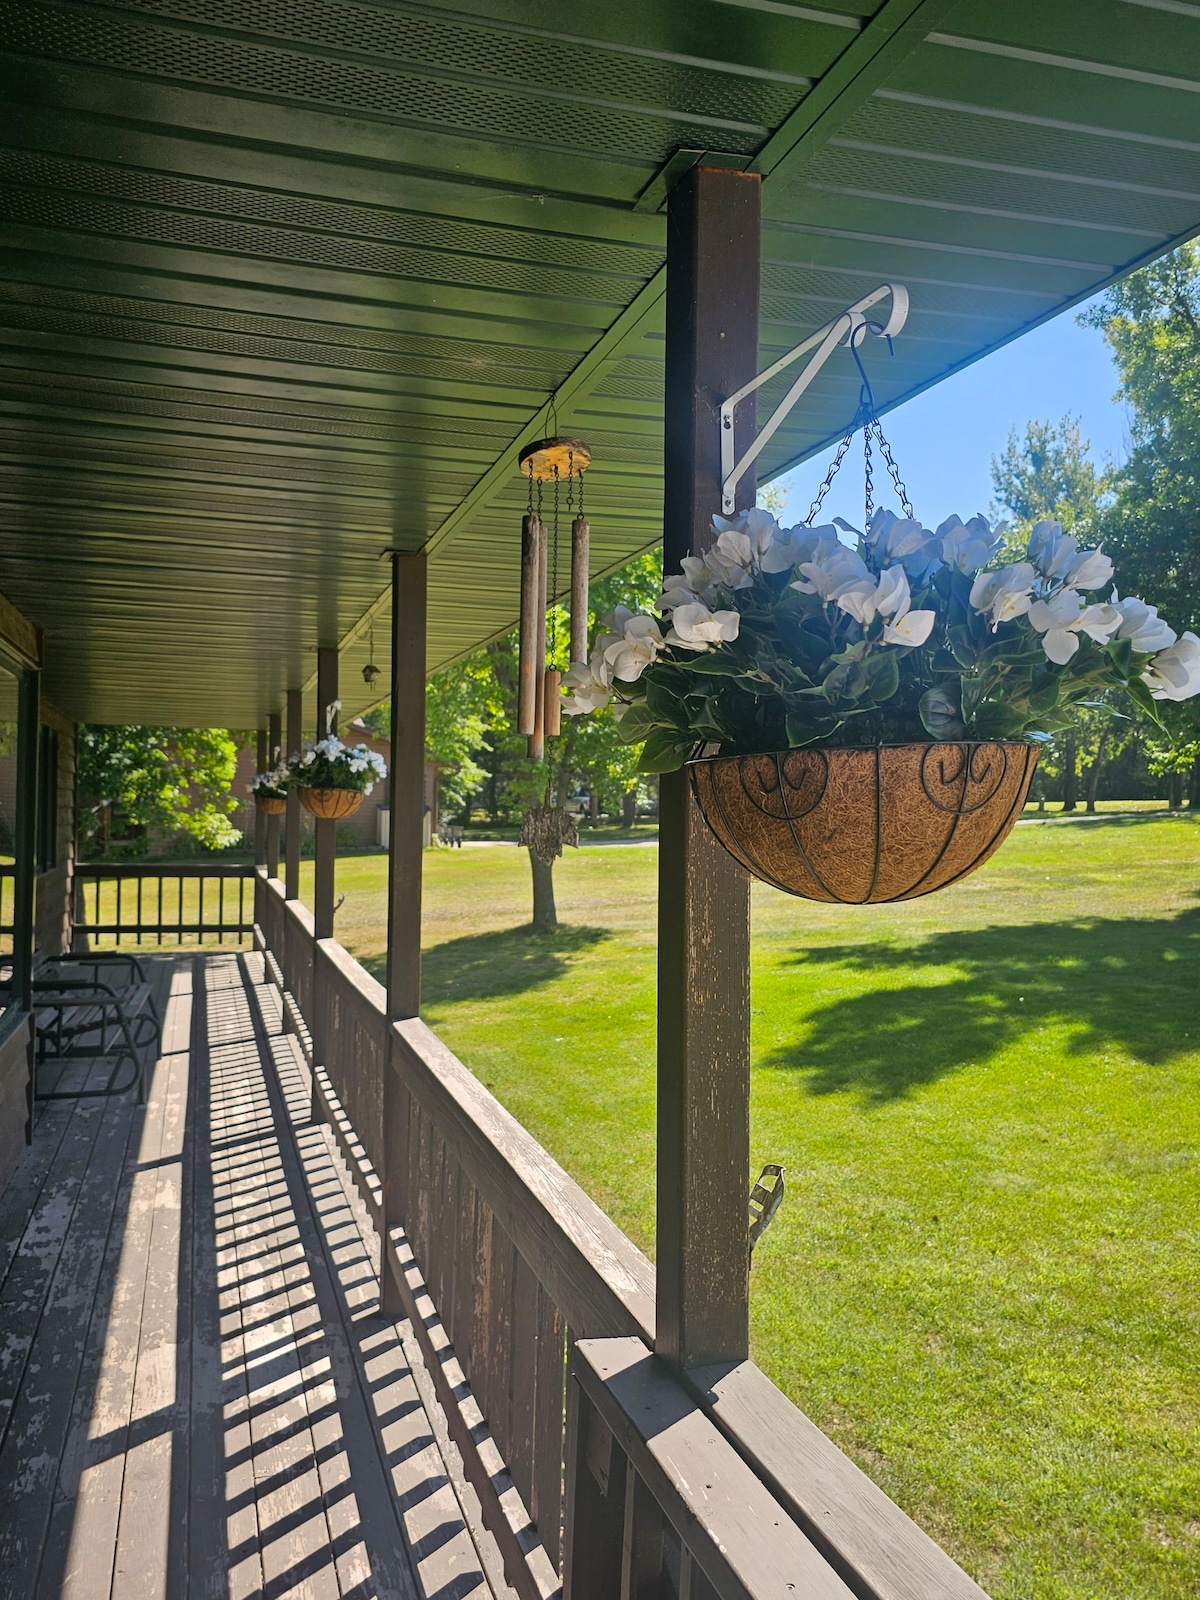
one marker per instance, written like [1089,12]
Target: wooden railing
[8,885]
[172,904]
[536,1316]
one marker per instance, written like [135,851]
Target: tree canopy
[168,780]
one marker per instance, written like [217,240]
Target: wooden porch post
[28,718]
[291,843]
[260,817]
[327,693]
[407,792]
[406,797]
[273,752]
[713,227]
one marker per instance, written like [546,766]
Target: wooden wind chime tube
[580,540]
[537,736]
[533,546]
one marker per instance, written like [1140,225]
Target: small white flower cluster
[1048,587]
[274,781]
[359,760]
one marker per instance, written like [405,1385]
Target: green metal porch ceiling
[284,284]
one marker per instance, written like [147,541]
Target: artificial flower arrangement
[780,639]
[270,788]
[860,720]
[330,764]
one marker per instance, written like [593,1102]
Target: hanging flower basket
[865,826]
[876,697]
[273,804]
[332,779]
[332,804]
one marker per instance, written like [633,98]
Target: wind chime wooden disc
[545,457]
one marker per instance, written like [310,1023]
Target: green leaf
[882,672]
[940,715]
[998,720]
[662,752]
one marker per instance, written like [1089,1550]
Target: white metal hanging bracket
[848,327]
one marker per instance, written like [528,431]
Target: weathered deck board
[199,1395]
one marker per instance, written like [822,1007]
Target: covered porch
[284,293]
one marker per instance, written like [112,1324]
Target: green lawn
[984,1281]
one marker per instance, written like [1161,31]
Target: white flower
[695,627]
[801,543]
[616,619]
[1090,569]
[756,526]
[1050,549]
[1143,627]
[1005,594]
[590,693]
[1056,620]
[904,539]
[857,599]
[630,655]
[968,546]
[1174,673]
[1099,622]
[910,628]
[831,572]
[893,597]
[892,600]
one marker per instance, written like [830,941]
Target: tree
[1151,321]
[1047,473]
[171,780]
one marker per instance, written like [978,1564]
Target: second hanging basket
[331,805]
[860,826]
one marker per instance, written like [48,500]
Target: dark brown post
[407,780]
[291,842]
[273,754]
[713,230]
[260,817]
[327,693]
[406,800]
[25,840]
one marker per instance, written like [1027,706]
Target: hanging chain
[834,467]
[866,419]
[529,474]
[901,491]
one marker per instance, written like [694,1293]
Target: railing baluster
[140,884]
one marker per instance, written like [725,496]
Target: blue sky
[944,440]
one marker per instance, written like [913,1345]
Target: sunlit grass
[983,1283]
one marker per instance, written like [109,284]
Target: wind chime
[561,462]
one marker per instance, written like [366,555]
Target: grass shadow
[489,966]
[1127,983]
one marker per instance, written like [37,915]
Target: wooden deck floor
[198,1394]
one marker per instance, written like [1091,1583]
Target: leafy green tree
[1151,528]
[1047,472]
[169,780]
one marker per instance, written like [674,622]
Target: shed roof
[286,284]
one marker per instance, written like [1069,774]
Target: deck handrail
[520,1264]
[155,918]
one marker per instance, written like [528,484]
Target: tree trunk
[1070,776]
[1094,774]
[594,804]
[545,915]
[1194,791]
[1175,791]
[629,808]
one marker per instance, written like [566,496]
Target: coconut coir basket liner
[862,826]
[331,804]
